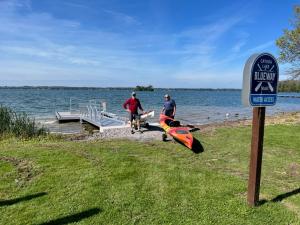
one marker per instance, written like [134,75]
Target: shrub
[19,124]
[5,120]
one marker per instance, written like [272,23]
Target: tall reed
[19,124]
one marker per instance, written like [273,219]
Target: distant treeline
[289,86]
[113,88]
[64,88]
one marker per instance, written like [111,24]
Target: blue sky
[171,43]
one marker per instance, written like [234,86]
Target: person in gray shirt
[169,108]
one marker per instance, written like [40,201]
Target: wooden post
[258,124]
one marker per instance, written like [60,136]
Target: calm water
[193,106]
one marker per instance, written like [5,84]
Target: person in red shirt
[132,105]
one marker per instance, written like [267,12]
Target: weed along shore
[104,180]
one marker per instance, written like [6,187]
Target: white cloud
[122,17]
[43,47]
[237,47]
[260,47]
[76,5]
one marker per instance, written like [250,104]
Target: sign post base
[258,124]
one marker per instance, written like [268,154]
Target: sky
[116,43]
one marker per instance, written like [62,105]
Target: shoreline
[42,87]
[278,118]
[155,132]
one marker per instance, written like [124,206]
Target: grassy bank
[125,182]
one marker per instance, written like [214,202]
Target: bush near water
[18,124]
[289,86]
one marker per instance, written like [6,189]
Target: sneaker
[132,132]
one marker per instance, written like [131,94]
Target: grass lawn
[55,181]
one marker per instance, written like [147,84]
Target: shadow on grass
[197,147]
[73,218]
[279,198]
[21,199]
[194,129]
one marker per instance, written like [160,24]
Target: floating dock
[102,122]
[96,115]
[67,117]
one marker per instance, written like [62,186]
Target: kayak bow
[172,127]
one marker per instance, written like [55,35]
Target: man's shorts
[134,116]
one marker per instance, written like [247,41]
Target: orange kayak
[172,127]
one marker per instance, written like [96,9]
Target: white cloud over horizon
[38,46]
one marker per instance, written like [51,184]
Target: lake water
[193,106]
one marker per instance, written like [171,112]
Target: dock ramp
[95,114]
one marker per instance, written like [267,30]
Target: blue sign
[264,81]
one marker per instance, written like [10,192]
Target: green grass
[49,181]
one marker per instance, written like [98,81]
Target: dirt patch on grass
[25,169]
[292,207]
[294,170]
[87,155]
[50,146]
[81,153]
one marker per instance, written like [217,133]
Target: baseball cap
[133,93]
[167,96]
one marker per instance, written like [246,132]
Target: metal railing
[97,112]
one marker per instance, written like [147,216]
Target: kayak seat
[172,123]
[175,123]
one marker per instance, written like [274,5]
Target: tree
[289,45]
